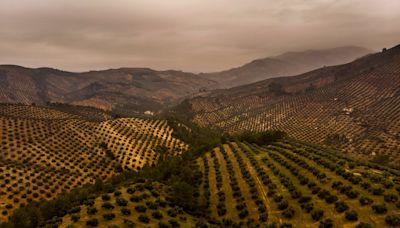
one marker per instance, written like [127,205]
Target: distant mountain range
[288,64]
[139,89]
[135,89]
[354,106]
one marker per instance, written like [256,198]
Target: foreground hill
[278,182]
[355,107]
[131,205]
[290,183]
[125,89]
[290,63]
[48,150]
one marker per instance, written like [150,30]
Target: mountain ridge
[354,106]
[286,64]
[128,89]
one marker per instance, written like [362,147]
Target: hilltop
[125,90]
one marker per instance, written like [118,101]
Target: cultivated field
[295,183]
[358,113]
[132,205]
[48,150]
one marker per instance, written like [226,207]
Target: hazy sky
[190,35]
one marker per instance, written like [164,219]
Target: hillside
[355,106]
[126,89]
[48,150]
[132,205]
[287,64]
[278,183]
[290,183]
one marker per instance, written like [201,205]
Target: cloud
[192,35]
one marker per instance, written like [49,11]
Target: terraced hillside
[354,107]
[48,150]
[294,183]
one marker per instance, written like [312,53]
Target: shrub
[164,225]
[92,222]
[378,191]
[91,210]
[352,194]
[144,218]
[307,207]
[157,215]
[140,208]
[364,225]
[326,223]
[286,225]
[121,202]
[317,214]
[172,212]
[283,205]
[105,197]
[393,220]
[117,193]
[365,201]
[135,199]
[331,199]
[379,208]
[125,211]
[129,223]
[174,223]
[278,198]
[75,217]
[74,210]
[221,210]
[243,213]
[240,206]
[391,198]
[351,215]
[288,213]
[263,217]
[130,190]
[107,205]
[341,206]
[109,216]
[151,205]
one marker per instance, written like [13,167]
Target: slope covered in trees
[278,182]
[48,150]
[290,183]
[354,107]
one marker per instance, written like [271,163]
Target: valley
[140,148]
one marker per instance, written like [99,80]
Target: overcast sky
[190,35]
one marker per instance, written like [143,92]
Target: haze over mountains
[354,106]
[287,64]
[134,88]
[141,89]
